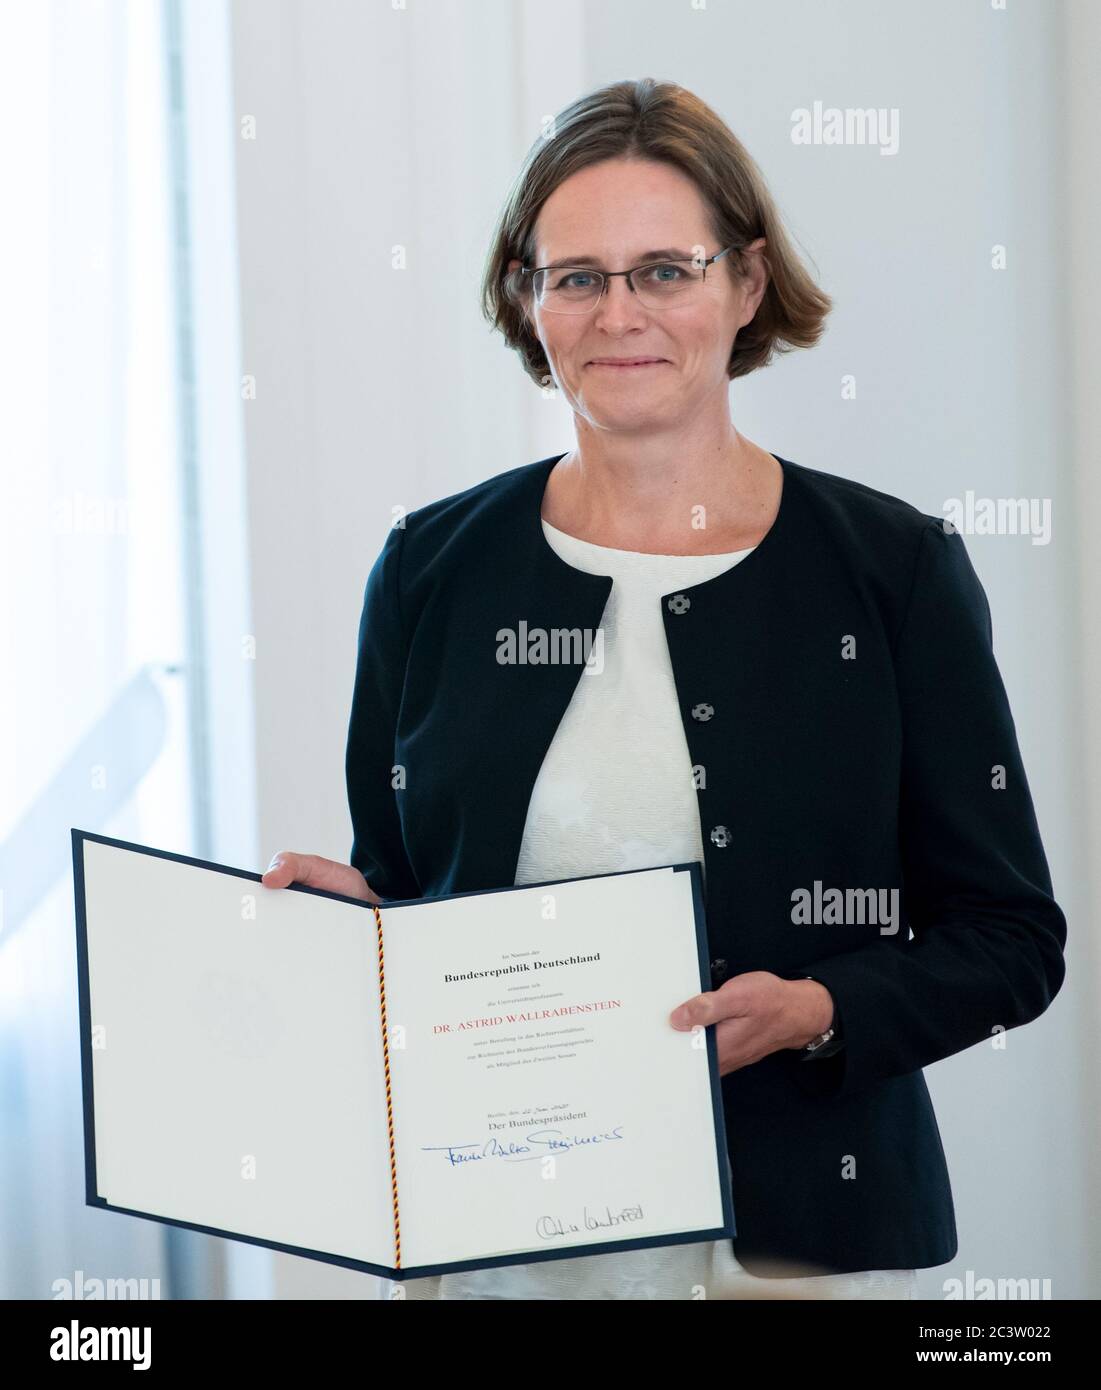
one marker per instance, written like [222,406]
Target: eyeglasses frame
[606,275]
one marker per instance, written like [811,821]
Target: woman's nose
[618,304]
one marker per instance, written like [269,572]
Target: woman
[796,687]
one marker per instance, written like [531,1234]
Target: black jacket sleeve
[378,849]
[988,937]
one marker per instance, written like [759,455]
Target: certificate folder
[414,1088]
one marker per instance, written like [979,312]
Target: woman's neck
[701,505]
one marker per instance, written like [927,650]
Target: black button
[718,971]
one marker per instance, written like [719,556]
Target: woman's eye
[664,273]
[575,280]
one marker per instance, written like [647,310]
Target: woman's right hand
[288,867]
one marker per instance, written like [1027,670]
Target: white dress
[615,792]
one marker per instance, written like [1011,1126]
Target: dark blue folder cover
[93,1199]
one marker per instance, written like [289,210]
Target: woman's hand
[757,1013]
[287,867]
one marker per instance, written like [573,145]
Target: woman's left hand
[757,1013]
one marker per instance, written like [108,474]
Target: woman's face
[620,212]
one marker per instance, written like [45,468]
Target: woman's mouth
[622,364]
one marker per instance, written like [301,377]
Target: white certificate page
[541,1100]
[232,1052]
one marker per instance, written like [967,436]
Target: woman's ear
[522,302]
[756,277]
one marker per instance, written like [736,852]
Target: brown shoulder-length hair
[646,119]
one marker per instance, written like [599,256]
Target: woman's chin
[629,408]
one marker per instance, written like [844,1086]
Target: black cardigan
[858,726]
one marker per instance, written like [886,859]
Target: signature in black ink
[549,1227]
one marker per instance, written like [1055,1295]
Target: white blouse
[615,791]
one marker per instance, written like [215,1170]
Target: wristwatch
[827,1043]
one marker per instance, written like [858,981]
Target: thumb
[285,868]
[701,1009]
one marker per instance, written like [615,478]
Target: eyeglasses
[577,289]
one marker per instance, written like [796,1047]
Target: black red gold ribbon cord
[389,1093]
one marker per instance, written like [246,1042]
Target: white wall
[380,127]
